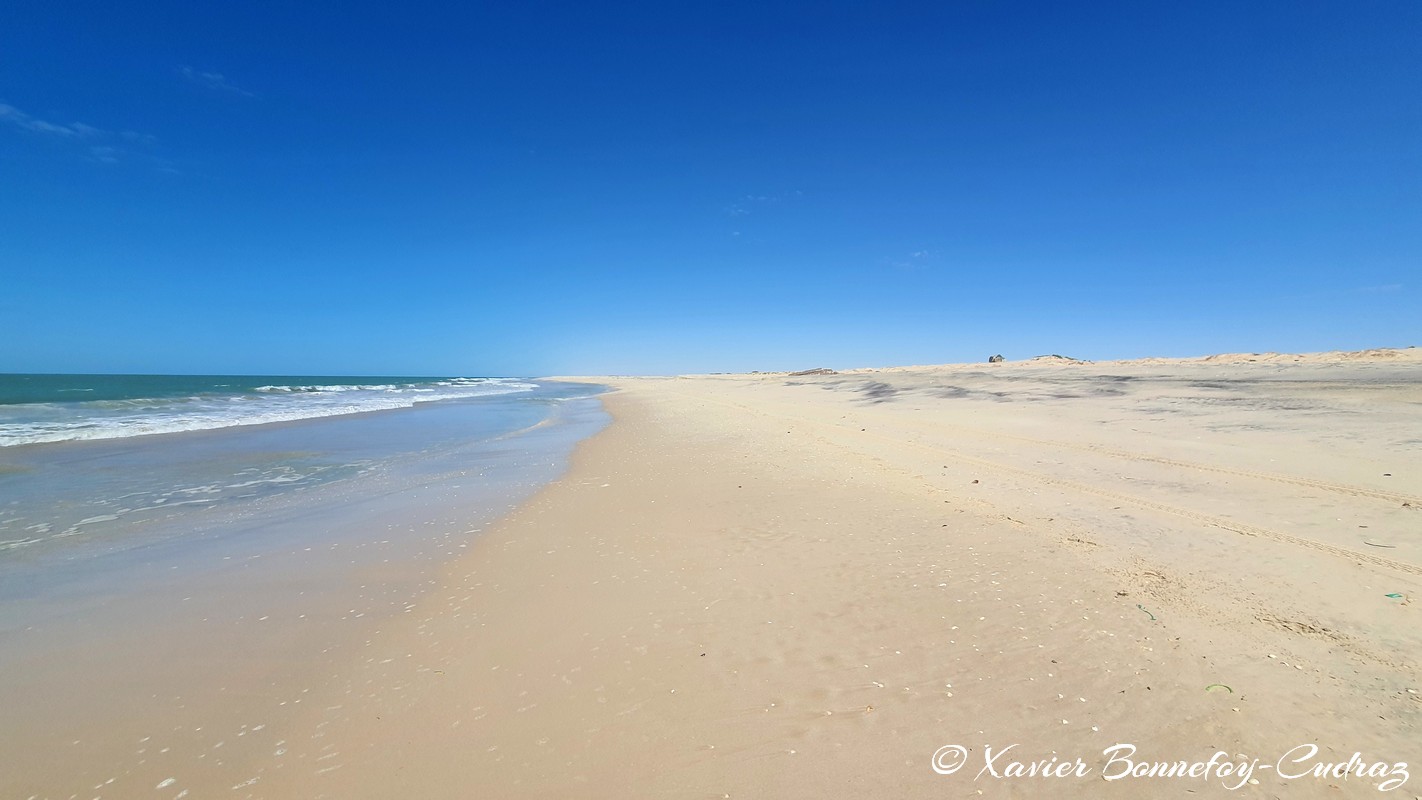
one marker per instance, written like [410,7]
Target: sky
[589,188]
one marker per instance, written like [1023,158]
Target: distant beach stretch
[1043,577]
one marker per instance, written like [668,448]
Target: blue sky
[536,188]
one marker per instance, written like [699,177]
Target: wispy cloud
[747,204]
[138,138]
[104,146]
[1386,288]
[215,81]
[916,261]
[105,153]
[73,130]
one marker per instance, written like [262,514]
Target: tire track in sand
[1207,519]
[1312,483]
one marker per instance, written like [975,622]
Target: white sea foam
[36,423]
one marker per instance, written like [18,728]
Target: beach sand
[804,586]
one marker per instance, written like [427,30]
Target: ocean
[93,464]
[58,408]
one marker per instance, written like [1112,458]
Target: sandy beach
[683,401]
[814,586]
[1038,578]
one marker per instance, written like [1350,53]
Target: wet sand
[807,586]
[173,658]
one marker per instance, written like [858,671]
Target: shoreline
[183,655]
[318,437]
[199,434]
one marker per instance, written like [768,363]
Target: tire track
[1207,519]
[1218,522]
[1356,491]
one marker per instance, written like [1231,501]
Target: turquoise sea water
[91,465]
[56,408]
